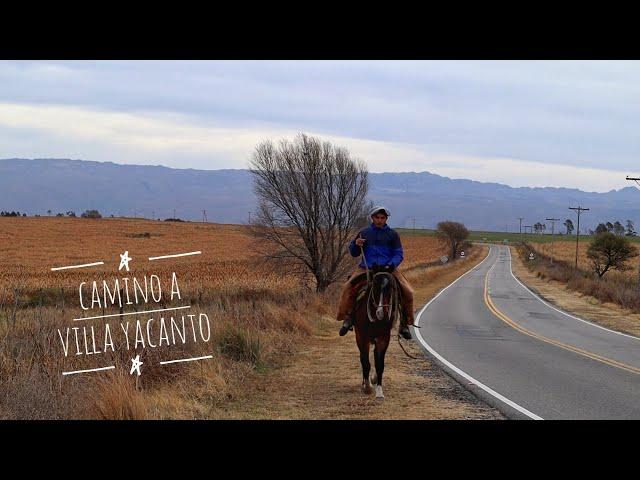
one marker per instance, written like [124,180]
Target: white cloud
[176,140]
[580,113]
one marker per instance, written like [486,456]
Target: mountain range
[36,186]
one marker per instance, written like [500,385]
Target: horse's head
[383,297]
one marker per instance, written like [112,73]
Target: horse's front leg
[379,352]
[363,346]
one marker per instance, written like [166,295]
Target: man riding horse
[383,251]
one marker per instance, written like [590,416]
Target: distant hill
[60,185]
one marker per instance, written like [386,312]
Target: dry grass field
[566,250]
[259,320]
[615,287]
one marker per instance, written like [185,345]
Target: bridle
[376,306]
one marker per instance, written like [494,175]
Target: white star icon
[135,365]
[124,260]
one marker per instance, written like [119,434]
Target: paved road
[528,358]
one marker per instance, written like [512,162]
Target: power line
[578,209]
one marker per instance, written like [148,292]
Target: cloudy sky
[528,123]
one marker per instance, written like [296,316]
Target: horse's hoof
[379,394]
[366,389]
[374,379]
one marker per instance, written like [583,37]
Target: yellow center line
[580,351]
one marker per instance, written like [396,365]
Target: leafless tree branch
[311,201]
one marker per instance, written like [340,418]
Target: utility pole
[578,209]
[634,179]
[521,218]
[414,225]
[174,213]
[204,216]
[525,229]
[249,218]
[553,227]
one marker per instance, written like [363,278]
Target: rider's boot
[404,332]
[347,325]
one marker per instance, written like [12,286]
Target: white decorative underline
[186,359]
[77,266]
[131,313]
[90,370]
[176,255]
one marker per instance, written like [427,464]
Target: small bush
[239,345]
[115,398]
[91,214]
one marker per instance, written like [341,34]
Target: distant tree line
[616,228]
[70,213]
[12,214]
[91,214]
[539,228]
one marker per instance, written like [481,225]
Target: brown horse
[374,317]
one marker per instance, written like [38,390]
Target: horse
[374,316]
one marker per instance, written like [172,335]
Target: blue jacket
[382,247]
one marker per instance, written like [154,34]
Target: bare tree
[311,202]
[454,233]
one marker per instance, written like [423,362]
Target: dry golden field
[566,250]
[29,247]
[258,317]
[619,287]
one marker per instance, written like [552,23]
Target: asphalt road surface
[523,355]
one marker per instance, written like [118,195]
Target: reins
[364,259]
[405,352]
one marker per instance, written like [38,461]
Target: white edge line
[176,255]
[186,359]
[562,312]
[131,313]
[89,370]
[77,266]
[465,375]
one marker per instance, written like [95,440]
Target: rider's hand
[360,241]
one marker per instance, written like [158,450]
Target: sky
[521,123]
